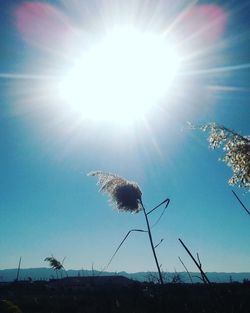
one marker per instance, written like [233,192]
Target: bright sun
[121,76]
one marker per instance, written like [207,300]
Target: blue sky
[47,203]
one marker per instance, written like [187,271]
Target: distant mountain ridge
[43,273]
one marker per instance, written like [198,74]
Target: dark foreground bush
[133,298]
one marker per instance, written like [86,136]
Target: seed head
[123,194]
[236,150]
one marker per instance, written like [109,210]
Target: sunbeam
[229,68]
[18,76]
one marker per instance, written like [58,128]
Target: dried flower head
[237,152]
[124,195]
[54,263]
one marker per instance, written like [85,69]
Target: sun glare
[120,77]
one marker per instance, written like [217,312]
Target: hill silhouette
[44,273]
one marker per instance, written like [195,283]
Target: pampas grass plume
[124,195]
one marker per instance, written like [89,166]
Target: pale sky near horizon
[47,203]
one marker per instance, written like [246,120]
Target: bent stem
[117,249]
[242,204]
[203,275]
[151,243]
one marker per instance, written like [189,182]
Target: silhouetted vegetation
[123,296]
[56,265]
[126,196]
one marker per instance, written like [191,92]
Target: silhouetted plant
[241,203]
[204,277]
[127,196]
[55,264]
[124,195]
[237,151]
[176,279]
[18,269]
[190,277]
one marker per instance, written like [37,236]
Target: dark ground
[123,296]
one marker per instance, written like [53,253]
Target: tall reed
[126,196]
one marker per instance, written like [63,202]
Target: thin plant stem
[196,263]
[190,277]
[139,230]
[162,213]
[199,261]
[156,246]
[63,268]
[122,242]
[166,200]
[242,204]
[18,270]
[245,139]
[228,130]
[152,244]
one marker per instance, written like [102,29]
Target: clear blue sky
[47,203]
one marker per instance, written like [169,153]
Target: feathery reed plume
[55,264]
[126,196]
[237,151]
